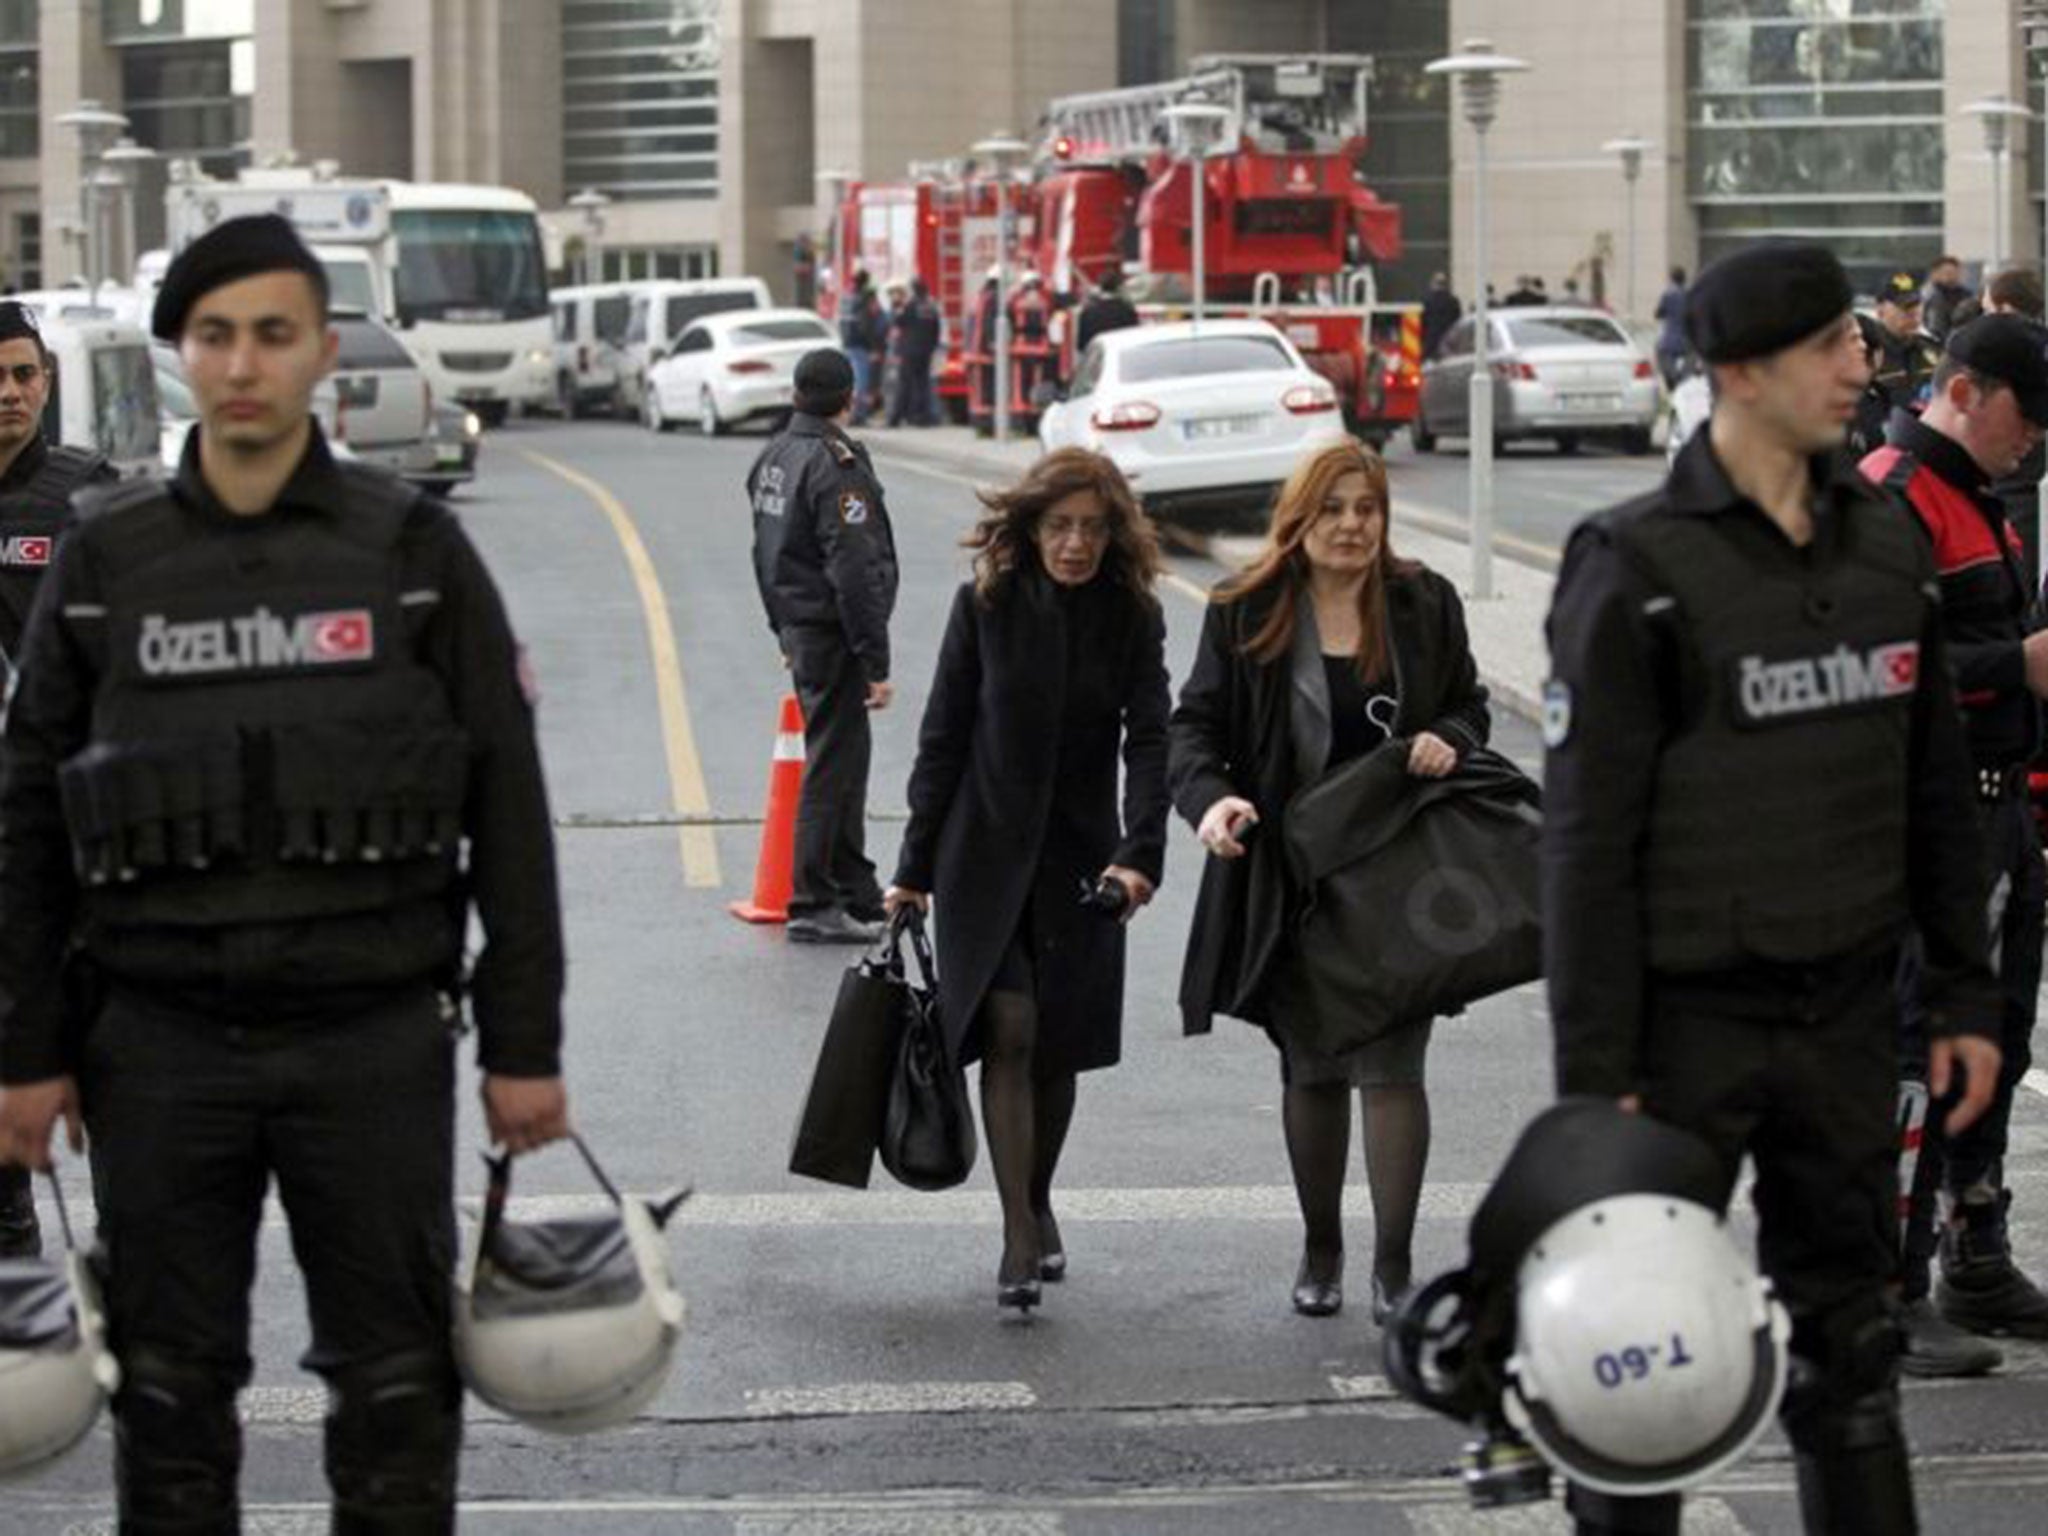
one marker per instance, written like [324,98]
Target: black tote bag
[928,1139]
[843,1114]
[1417,896]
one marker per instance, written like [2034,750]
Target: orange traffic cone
[775,872]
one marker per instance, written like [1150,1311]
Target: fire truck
[1291,233]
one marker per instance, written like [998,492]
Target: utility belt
[318,793]
[1995,784]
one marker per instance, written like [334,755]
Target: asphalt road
[846,1371]
[1539,493]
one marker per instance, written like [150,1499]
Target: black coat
[1013,800]
[1232,734]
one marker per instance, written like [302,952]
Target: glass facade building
[1820,118]
[188,76]
[1408,152]
[20,87]
[640,97]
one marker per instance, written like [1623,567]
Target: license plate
[1590,402]
[1203,428]
[448,453]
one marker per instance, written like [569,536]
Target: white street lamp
[591,204]
[1003,154]
[126,159]
[96,128]
[1998,115]
[1478,68]
[1631,149]
[1195,127]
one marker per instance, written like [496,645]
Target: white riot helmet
[568,1325]
[1649,1353]
[55,1370]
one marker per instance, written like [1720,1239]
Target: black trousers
[2019,906]
[191,1120]
[18,1227]
[832,866]
[1797,1067]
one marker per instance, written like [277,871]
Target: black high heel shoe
[1386,1302]
[1021,1292]
[1319,1298]
[1052,1257]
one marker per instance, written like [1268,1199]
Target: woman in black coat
[1326,647]
[1053,661]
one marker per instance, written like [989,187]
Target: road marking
[282,1405]
[2037,1080]
[889,1397]
[688,794]
[962,1522]
[1703,1517]
[1361,1389]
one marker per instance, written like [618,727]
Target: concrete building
[705,123]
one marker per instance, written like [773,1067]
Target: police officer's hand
[1979,1060]
[879,694]
[1431,757]
[28,1116]
[523,1113]
[1135,885]
[897,897]
[1223,822]
[2035,649]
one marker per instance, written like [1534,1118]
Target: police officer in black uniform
[37,478]
[1986,415]
[268,747]
[1910,354]
[1756,779]
[825,561]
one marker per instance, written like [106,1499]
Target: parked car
[590,346]
[663,308]
[455,434]
[1211,418]
[1566,373]
[102,389]
[383,404]
[730,368]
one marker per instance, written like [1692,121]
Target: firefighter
[269,746]
[1724,962]
[37,478]
[1030,325]
[1988,406]
[981,346]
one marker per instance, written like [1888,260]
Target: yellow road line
[688,795]
[1186,588]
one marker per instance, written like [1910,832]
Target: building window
[157,21]
[1407,157]
[20,97]
[640,97]
[619,264]
[28,251]
[1146,49]
[191,100]
[1821,120]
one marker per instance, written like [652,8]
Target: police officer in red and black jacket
[37,478]
[1986,413]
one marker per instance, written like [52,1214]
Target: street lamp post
[1195,127]
[1631,149]
[1997,115]
[96,128]
[125,160]
[591,204]
[1479,69]
[1003,153]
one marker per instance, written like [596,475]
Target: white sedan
[1219,416]
[727,368]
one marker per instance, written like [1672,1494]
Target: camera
[1106,895]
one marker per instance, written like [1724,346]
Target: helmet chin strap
[63,1212]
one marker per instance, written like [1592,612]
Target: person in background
[1938,300]
[1670,317]
[1106,310]
[1440,311]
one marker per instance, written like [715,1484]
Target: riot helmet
[55,1369]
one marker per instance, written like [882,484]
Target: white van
[590,346]
[663,308]
[102,385]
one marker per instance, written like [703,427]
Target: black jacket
[824,555]
[1232,734]
[35,495]
[1013,800]
[1104,312]
[1440,311]
[274,971]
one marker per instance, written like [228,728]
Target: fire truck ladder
[1125,124]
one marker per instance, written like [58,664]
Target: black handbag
[1418,896]
[928,1139]
[848,1103]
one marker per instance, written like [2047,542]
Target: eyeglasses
[1090,530]
[24,374]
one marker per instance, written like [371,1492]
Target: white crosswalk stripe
[890,1397]
[1703,1517]
[900,1523]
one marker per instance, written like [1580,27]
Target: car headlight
[472,424]
[540,357]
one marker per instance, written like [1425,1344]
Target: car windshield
[760,332]
[124,390]
[1193,356]
[348,285]
[684,308]
[1567,331]
[171,391]
[469,264]
[366,344]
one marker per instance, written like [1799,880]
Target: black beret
[1763,298]
[18,323]
[2010,350]
[824,381]
[230,251]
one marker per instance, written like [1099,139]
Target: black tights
[1025,1118]
[1318,1122]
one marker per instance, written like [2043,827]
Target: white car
[1219,416]
[729,368]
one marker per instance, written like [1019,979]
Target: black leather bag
[848,1103]
[1417,896]
[928,1139]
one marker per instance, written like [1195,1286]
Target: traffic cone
[775,871]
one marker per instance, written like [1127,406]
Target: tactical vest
[1777,822]
[267,744]
[31,519]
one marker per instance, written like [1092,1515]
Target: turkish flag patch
[347,634]
[27,549]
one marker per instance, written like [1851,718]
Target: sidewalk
[1506,629]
